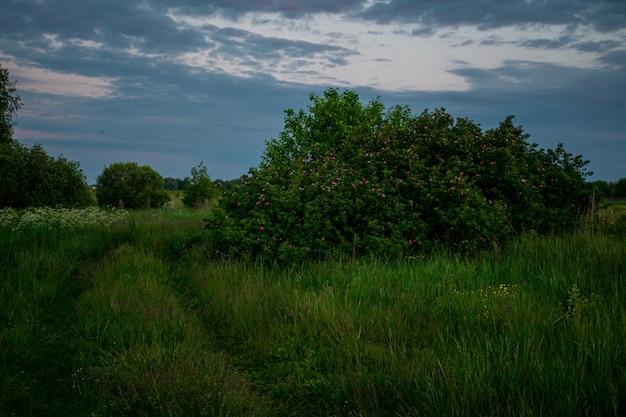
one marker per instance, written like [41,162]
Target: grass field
[123,314]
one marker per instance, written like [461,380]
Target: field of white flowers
[55,218]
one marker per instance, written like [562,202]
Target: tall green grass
[91,326]
[537,328]
[42,271]
[131,318]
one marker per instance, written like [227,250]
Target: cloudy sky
[172,83]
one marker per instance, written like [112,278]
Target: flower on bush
[347,178]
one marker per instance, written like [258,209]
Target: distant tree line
[177,184]
[611,189]
[173,184]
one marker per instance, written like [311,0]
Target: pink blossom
[261,228]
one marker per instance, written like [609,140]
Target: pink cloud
[26,134]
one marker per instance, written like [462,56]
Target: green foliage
[199,189]
[612,189]
[9,105]
[227,184]
[128,185]
[173,184]
[603,189]
[32,178]
[620,189]
[347,178]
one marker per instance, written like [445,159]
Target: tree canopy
[30,177]
[199,190]
[350,178]
[128,185]
[10,103]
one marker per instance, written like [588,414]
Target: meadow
[115,313]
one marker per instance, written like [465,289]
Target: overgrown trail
[43,274]
[92,326]
[152,349]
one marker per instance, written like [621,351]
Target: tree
[173,184]
[128,185]
[9,105]
[620,188]
[603,189]
[30,177]
[351,178]
[199,190]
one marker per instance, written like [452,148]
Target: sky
[171,84]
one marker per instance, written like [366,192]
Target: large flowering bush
[347,178]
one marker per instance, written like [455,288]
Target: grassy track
[128,317]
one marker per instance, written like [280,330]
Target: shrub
[347,178]
[32,178]
[199,189]
[128,185]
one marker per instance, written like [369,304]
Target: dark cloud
[262,46]
[615,58]
[561,42]
[288,8]
[576,86]
[602,15]
[493,40]
[424,31]
[597,46]
[118,24]
[114,27]
[170,115]
[577,42]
